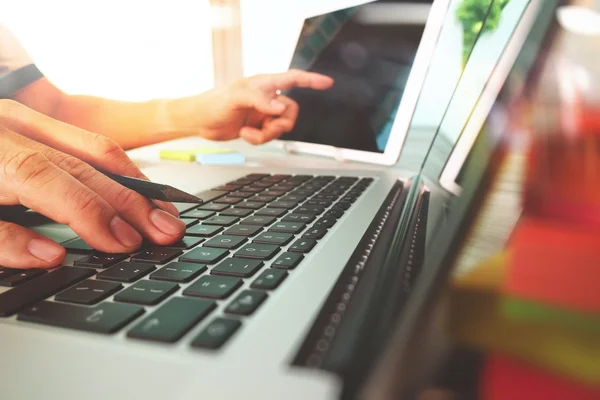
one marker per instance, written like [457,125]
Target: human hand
[46,165]
[250,108]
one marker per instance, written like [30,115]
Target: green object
[472,15]
[531,312]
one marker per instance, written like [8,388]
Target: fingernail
[125,233]
[45,250]
[166,223]
[277,105]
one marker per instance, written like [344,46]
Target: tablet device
[378,54]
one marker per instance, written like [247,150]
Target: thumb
[260,101]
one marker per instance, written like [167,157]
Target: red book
[504,378]
[555,263]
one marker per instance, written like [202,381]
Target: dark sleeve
[18,79]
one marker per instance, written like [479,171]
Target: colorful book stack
[534,309]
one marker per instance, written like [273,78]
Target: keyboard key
[315,233]
[241,182]
[241,194]
[278,177]
[21,276]
[257,251]
[211,195]
[228,200]
[147,292]
[280,239]
[189,221]
[237,212]
[171,321]
[288,260]
[204,255]
[178,272]
[228,188]
[276,193]
[204,230]
[263,184]
[258,220]
[126,272]
[287,227]
[288,205]
[256,177]
[269,279]
[198,214]
[237,267]
[252,205]
[225,242]
[264,198]
[341,206]
[183,207]
[320,203]
[272,212]
[78,246]
[304,218]
[302,245]
[216,287]
[324,223]
[100,260]
[243,230]
[254,190]
[103,318]
[157,255]
[293,198]
[214,207]
[216,333]
[315,210]
[246,302]
[221,220]
[89,292]
[334,214]
[40,288]
[6,272]
[186,243]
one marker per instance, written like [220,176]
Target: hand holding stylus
[46,165]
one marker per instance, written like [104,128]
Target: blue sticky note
[221,158]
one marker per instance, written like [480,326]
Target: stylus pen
[155,191]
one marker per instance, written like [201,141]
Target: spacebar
[40,288]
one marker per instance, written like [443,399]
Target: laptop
[290,283]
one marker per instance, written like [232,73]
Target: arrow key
[246,302]
[288,260]
[216,333]
[269,279]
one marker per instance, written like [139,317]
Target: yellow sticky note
[190,154]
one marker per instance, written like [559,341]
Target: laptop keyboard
[256,229]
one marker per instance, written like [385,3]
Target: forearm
[129,124]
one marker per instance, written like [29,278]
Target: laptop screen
[369,50]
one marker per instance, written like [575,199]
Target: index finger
[297,78]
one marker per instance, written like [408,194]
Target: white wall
[123,49]
[270,29]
